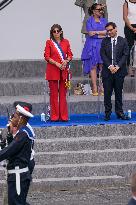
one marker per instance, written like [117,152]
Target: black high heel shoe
[122,116]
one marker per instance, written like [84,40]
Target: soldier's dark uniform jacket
[18,154]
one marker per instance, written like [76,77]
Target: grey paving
[107,196]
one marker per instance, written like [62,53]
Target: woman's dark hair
[53,28]
[92,8]
[111,24]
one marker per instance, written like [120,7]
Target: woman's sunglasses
[99,10]
[56,31]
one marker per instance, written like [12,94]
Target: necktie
[114,52]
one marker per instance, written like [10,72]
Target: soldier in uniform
[86,4]
[28,107]
[18,154]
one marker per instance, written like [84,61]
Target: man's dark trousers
[113,82]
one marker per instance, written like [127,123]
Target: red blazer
[52,71]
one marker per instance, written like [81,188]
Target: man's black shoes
[107,117]
[122,116]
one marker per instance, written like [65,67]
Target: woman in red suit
[58,54]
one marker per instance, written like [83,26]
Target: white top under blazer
[131,12]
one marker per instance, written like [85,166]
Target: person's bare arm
[125,17]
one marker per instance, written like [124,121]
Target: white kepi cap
[23,111]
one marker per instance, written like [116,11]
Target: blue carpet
[75,119]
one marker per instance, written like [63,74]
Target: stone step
[84,170]
[76,183]
[36,68]
[129,83]
[2,174]
[55,132]
[38,86]
[125,130]
[23,86]
[85,143]
[77,104]
[22,68]
[85,156]
[37,101]
[71,173]
[32,68]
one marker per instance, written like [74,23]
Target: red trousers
[58,103]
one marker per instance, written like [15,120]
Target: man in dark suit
[114,52]
[18,154]
[132,201]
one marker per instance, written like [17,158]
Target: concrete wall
[25,25]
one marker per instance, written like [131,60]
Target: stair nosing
[86,151]
[103,164]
